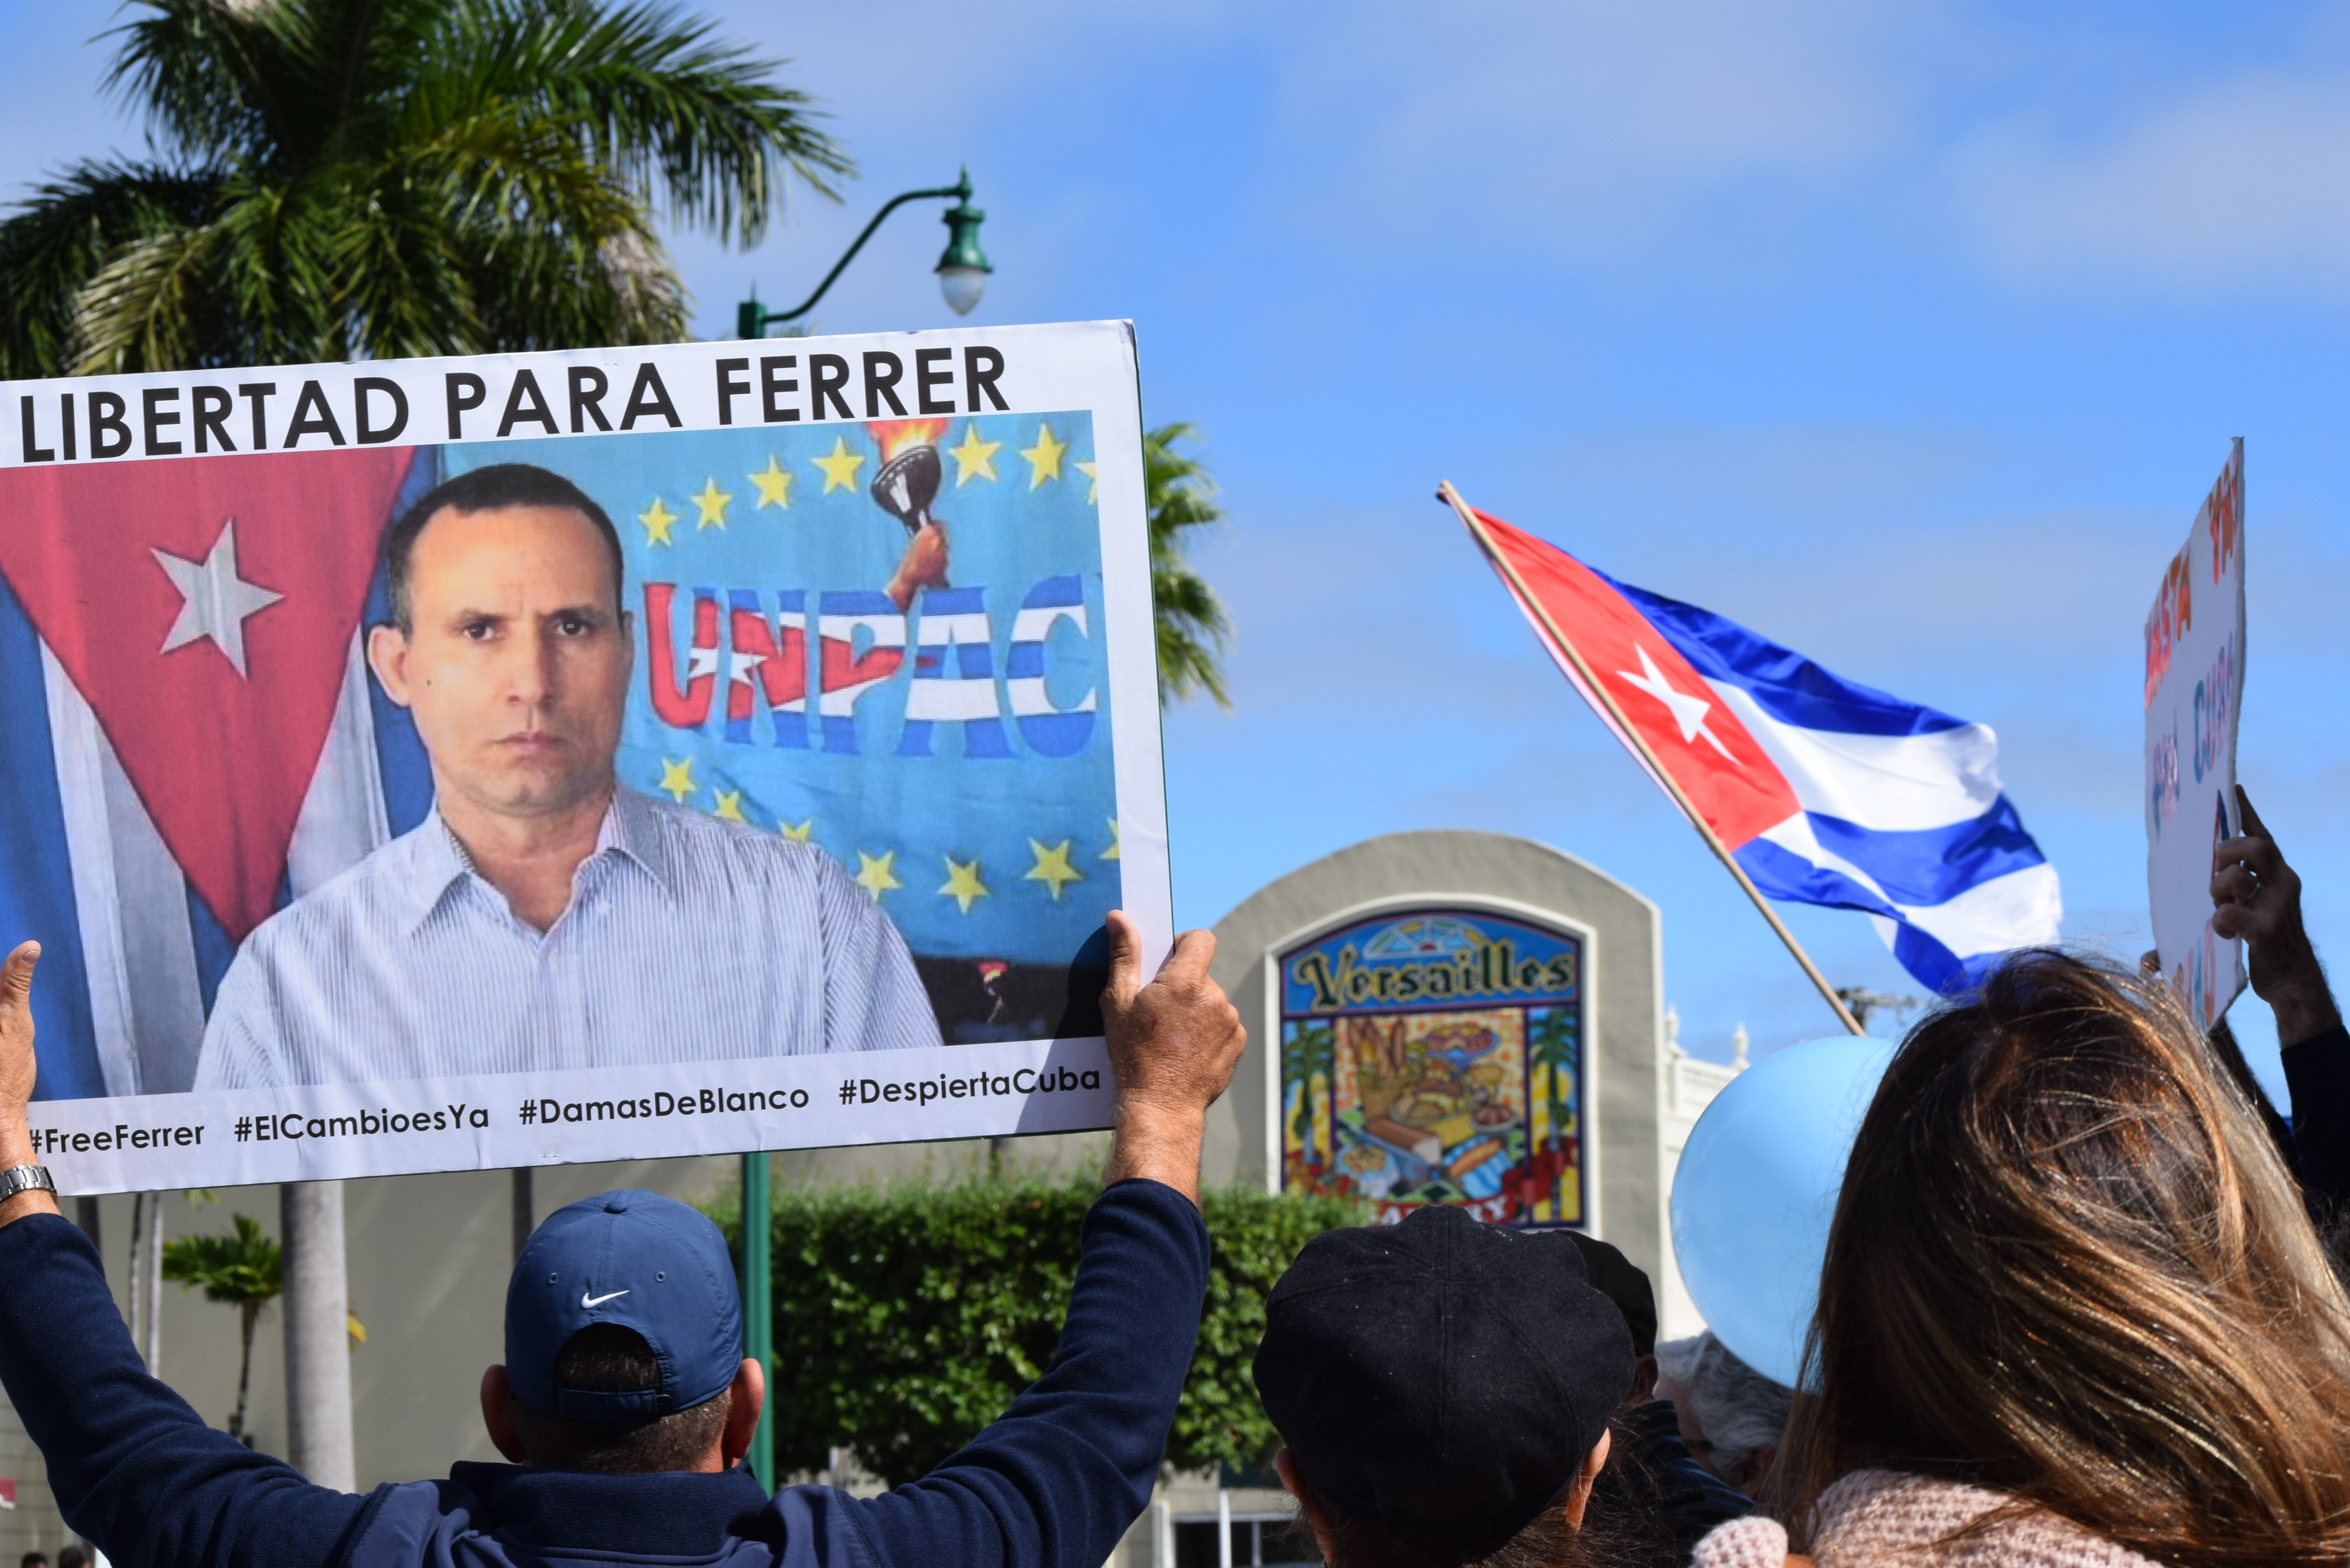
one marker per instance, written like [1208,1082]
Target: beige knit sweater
[1878,1519]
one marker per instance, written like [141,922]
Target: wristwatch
[25,1179]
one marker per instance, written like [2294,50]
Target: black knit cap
[1441,1380]
[1621,1281]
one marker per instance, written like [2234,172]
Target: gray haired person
[1732,1415]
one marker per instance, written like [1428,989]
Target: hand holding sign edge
[2257,897]
[1173,1045]
[18,1069]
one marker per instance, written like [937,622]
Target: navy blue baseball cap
[637,1261]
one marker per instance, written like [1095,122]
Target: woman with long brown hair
[2072,1312]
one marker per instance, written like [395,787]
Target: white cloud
[2240,181]
[1594,128]
[1400,144]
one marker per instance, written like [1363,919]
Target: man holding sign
[625,1399]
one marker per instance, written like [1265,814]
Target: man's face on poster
[516,662]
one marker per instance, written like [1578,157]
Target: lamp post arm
[962,190]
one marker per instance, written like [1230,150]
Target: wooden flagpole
[1639,743]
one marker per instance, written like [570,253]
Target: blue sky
[1909,334]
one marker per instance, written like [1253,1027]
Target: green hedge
[907,1317]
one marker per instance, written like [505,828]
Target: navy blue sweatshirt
[1053,1484]
[2317,1071]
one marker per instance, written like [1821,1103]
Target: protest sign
[302,666]
[2194,690]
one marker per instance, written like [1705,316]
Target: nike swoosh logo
[587,1301]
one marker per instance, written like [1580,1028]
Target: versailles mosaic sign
[1436,1056]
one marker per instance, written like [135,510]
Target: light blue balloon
[1756,1190]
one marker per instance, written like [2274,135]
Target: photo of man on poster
[543,915]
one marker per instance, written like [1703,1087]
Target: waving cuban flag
[1826,791]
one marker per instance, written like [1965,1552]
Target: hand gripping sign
[822,667]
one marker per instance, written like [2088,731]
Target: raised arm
[2258,898]
[133,1468]
[1059,1479]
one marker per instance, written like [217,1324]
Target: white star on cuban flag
[268,562]
[213,600]
[1687,710]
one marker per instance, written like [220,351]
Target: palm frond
[398,177]
[1191,626]
[560,251]
[358,61]
[245,1270]
[408,289]
[698,125]
[1192,631]
[203,73]
[57,241]
[649,301]
[278,292]
[137,313]
[1176,484]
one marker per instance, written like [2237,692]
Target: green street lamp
[963,269]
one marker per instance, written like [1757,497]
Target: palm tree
[1193,630]
[1307,1048]
[243,1270]
[1554,1047]
[379,178]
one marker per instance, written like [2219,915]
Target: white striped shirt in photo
[687,940]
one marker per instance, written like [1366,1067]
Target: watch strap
[19,1178]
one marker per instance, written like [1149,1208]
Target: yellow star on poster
[1093,483]
[677,779]
[840,465]
[963,884]
[657,520]
[800,833]
[873,873]
[712,502]
[974,459]
[730,806]
[1111,853]
[1045,457]
[774,483]
[1052,867]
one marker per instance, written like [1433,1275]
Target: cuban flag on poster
[1827,792]
[179,764]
